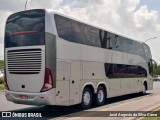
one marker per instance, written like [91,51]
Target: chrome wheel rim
[100,96]
[86,98]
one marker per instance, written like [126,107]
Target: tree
[1,64]
[156,71]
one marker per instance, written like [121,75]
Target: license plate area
[23,97]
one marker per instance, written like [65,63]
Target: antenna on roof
[26,4]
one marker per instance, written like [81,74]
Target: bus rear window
[25,40]
[25,28]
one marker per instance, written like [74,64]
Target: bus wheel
[86,98]
[100,96]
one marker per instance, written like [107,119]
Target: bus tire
[100,96]
[86,98]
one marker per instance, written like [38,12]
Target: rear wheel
[86,98]
[100,96]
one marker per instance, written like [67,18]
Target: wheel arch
[90,85]
[146,84]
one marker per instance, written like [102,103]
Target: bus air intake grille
[24,61]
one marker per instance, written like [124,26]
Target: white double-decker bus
[53,59]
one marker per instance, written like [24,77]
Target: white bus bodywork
[77,66]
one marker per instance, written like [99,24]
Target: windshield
[25,28]
[147,51]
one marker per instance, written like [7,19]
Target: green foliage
[156,71]
[1,68]
[1,80]
[1,64]
[1,87]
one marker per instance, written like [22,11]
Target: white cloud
[44,4]
[3,17]
[143,18]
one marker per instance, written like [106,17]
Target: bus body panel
[25,82]
[50,26]
[62,85]
[62,93]
[45,98]
[88,55]
[75,79]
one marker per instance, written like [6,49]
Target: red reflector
[24,32]
[42,97]
[5,80]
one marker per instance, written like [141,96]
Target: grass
[1,87]
[153,118]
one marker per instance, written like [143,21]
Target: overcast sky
[137,19]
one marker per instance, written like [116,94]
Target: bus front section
[29,76]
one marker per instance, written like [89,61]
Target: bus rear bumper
[42,98]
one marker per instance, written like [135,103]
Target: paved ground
[132,102]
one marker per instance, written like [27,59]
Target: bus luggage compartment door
[75,82]
[62,83]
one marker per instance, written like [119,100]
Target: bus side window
[75,32]
[122,44]
[102,38]
[116,43]
[139,50]
[113,41]
[94,37]
[105,39]
[63,27]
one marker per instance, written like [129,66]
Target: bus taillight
[48,81]
[5,80]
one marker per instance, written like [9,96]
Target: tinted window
[113,41]
[25,40]
[147,51]
[124,71]
[107,39]
[149,58]
[94,33]
[139,49]
[26,21]
[63,28]
[77,32]
[25,28]
[121,44]
[130,46]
